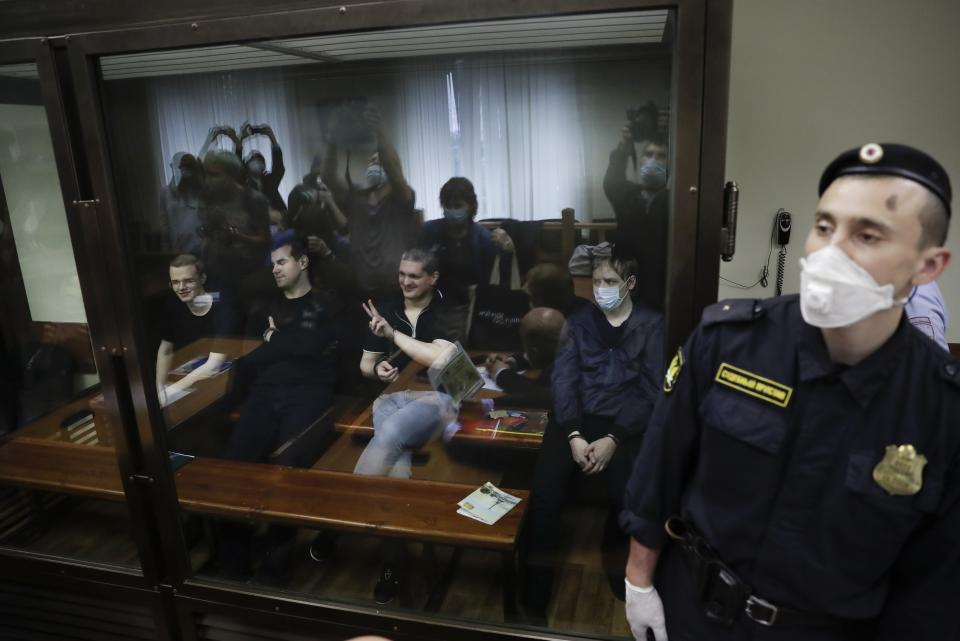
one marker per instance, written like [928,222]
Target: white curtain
[425,135]
[512,127]
[522,139]
[185,107]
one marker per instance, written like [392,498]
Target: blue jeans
[403,421]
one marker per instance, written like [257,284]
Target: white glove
[645,610]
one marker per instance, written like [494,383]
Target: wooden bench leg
[442,579]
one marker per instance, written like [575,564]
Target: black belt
[726,598]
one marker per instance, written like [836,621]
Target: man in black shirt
[194,314]
[403,420]
[291,377]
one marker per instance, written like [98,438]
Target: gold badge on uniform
[901,470]
[673,371]
[754,385]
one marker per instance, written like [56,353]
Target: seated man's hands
[271,329]
[599,454]
[386,372]
[496,363]
[378,324]
[578,448]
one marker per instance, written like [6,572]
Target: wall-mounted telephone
[782,224]
[779,233]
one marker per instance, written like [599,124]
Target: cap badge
[901,470]
[871,153]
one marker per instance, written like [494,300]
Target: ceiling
[528,34]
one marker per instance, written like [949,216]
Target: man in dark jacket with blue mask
[642,210]
[605,382]
[465,250]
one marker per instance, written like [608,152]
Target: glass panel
[61,491]
[273,191]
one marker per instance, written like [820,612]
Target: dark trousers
[555,478]
[268,419]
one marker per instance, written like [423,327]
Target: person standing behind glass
[381,219]
[465,250]
[642,211]
[180,204]
[266,182]
[235,228]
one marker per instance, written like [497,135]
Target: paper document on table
[487,504]
[195,363]
[172,394]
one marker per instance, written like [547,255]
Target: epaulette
[950,372]
[737,310]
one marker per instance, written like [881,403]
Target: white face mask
[837,292]
[608,298]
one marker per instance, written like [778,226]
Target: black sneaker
[323,546]
[387,587]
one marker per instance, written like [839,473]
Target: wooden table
[356,415]
[395,508]
[98,432]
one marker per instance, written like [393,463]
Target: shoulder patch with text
[754,385]
[673,371]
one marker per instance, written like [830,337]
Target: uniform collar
[864,379]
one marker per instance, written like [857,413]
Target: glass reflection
[400,286]
[60,491]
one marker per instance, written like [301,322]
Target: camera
[643,122]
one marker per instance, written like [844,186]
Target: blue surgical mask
[456,215]
[608,298]
[653,175]
[375,176]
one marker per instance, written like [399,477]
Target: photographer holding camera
[642,209]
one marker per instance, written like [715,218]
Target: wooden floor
[82,529]
[582,604]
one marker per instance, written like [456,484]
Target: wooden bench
[414,510]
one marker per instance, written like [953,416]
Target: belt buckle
[766,618]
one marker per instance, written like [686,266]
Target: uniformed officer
[800,477]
